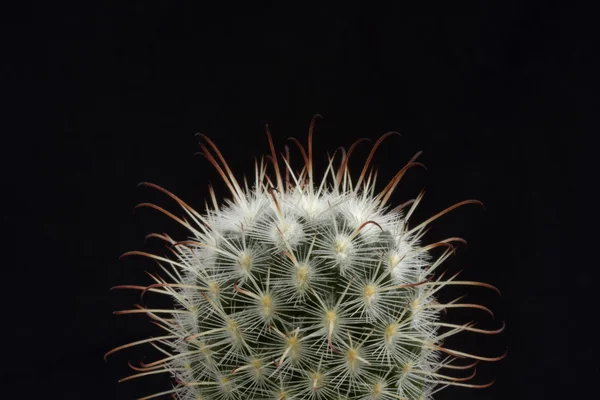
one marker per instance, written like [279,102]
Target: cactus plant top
[298,288]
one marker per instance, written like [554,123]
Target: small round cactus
[301,289]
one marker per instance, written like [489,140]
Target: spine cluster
[297,289]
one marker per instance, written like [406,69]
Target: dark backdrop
[101,97]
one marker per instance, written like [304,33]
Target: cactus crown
[296,289]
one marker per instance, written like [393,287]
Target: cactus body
[298,289]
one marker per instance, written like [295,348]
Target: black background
[101,97]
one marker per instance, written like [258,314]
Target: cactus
[301,289]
